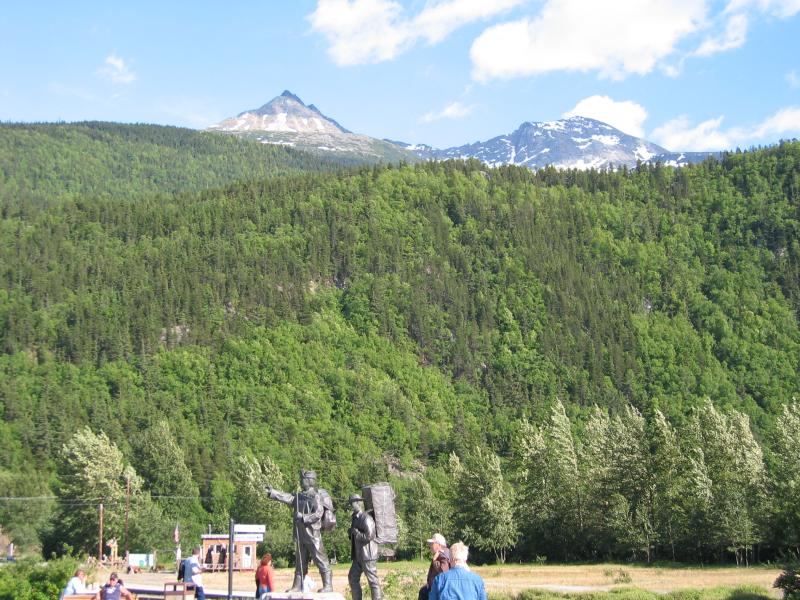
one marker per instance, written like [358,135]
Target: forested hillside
[113,160]
[604,361]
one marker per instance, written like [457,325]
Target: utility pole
[100,541]
[231,557]
[127,510]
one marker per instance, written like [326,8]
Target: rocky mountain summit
[288,121]
[573,143]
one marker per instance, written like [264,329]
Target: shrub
[31,580]
[789,582]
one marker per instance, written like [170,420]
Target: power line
[96,500]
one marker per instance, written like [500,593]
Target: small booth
[215,553]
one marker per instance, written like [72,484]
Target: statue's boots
[297,586]
[375,590]
[327,581]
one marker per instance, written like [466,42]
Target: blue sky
[687,74]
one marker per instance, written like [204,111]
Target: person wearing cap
[363,549]
[308,509]
[440,562]
[113,589]
[458,583]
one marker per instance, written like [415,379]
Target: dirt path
[515,578]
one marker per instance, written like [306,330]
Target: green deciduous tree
[484,503]
[785,480]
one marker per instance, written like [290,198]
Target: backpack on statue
[379,502]
[328,515]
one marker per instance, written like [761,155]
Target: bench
[178,589]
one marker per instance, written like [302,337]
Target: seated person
[113,590]
[76,585]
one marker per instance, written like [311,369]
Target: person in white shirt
[194,571]
[76,585]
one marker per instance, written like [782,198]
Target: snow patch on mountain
[573,143]
[607,140]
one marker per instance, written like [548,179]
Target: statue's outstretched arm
[274,494]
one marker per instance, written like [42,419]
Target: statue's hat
[354,498]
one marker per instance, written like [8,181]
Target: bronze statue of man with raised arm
[308,506]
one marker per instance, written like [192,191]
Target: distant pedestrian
[265,576]
[440,563]
[459,583]
[194,573]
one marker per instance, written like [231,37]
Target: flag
[176,535]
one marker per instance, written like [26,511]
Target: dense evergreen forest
[577,365]
[113,160]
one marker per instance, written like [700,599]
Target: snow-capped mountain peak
[572,143]
[576,142]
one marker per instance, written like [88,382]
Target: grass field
[401,580]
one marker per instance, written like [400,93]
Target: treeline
[370,324]
[47,162]
[619,487]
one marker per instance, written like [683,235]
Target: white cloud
[438,20]
[734,36]
[679,135]
[737,16]
[454,110]
[614,37]
[784,122]
[782,9]
[793,79]
[673,70]
[371,31]
[115,69]
[626,115]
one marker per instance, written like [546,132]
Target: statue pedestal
[305,596]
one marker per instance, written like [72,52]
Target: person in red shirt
[264,576]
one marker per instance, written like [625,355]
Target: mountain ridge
[287,121]
[573,143]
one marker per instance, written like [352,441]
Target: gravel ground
[513,578]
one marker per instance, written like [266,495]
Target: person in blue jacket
[459,583]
